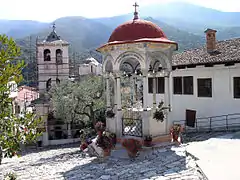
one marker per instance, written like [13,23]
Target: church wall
[222,101]
[85,69]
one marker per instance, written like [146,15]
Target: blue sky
[49,10]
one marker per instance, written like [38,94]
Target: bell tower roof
[53,35]
[53,38]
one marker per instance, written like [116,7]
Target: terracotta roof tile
[226,51]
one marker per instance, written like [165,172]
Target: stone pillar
[107,91]
[115,93]
[154,91]
[133,91]
[166,98]
[118,92]
[145,89]
[146,115]
[119,107]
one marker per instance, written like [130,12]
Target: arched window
[47,55]
[48,84]
[59,58]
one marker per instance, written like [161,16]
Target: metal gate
[132,124]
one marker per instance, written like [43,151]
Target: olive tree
[78,101]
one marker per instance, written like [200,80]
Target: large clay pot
[132,154]
[147,143]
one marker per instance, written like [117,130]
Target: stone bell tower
[53,67]
[52,61]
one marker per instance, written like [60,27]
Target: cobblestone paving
[68,163]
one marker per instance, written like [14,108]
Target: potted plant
[104,142]
[148,141]
[83,144]
[159,113]
[132,146]
[110,113]
[175,133]
[100,127]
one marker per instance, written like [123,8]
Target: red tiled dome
[135,30]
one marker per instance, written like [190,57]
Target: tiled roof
[226,51]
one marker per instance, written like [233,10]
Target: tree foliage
[14,130]
[78,101]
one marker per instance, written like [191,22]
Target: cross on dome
[135,12]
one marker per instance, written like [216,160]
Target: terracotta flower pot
[132,146]
[132,154]
[83,146]
[147,143]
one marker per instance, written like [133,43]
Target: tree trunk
[92,115]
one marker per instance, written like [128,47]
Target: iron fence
[132,127]
[214,123]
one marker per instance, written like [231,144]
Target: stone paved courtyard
[68,163]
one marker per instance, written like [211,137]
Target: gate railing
[132,127]
[213,123]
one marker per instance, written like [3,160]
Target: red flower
[83,146]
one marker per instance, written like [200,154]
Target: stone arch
[47,55]
[59,56]
[131,58]
[159,60]
[107,64]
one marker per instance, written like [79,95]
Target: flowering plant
[132,146]
[104,141]
[175,130]
[99,127]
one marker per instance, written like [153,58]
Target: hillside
[192,14]
[184,39]
[184,16]
[21,28]
[86,34]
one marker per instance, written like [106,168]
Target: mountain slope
[183,16]
[84,34]
[192,13]
[21,28]
[228,33]
[184,39]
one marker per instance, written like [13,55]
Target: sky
[49,10]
